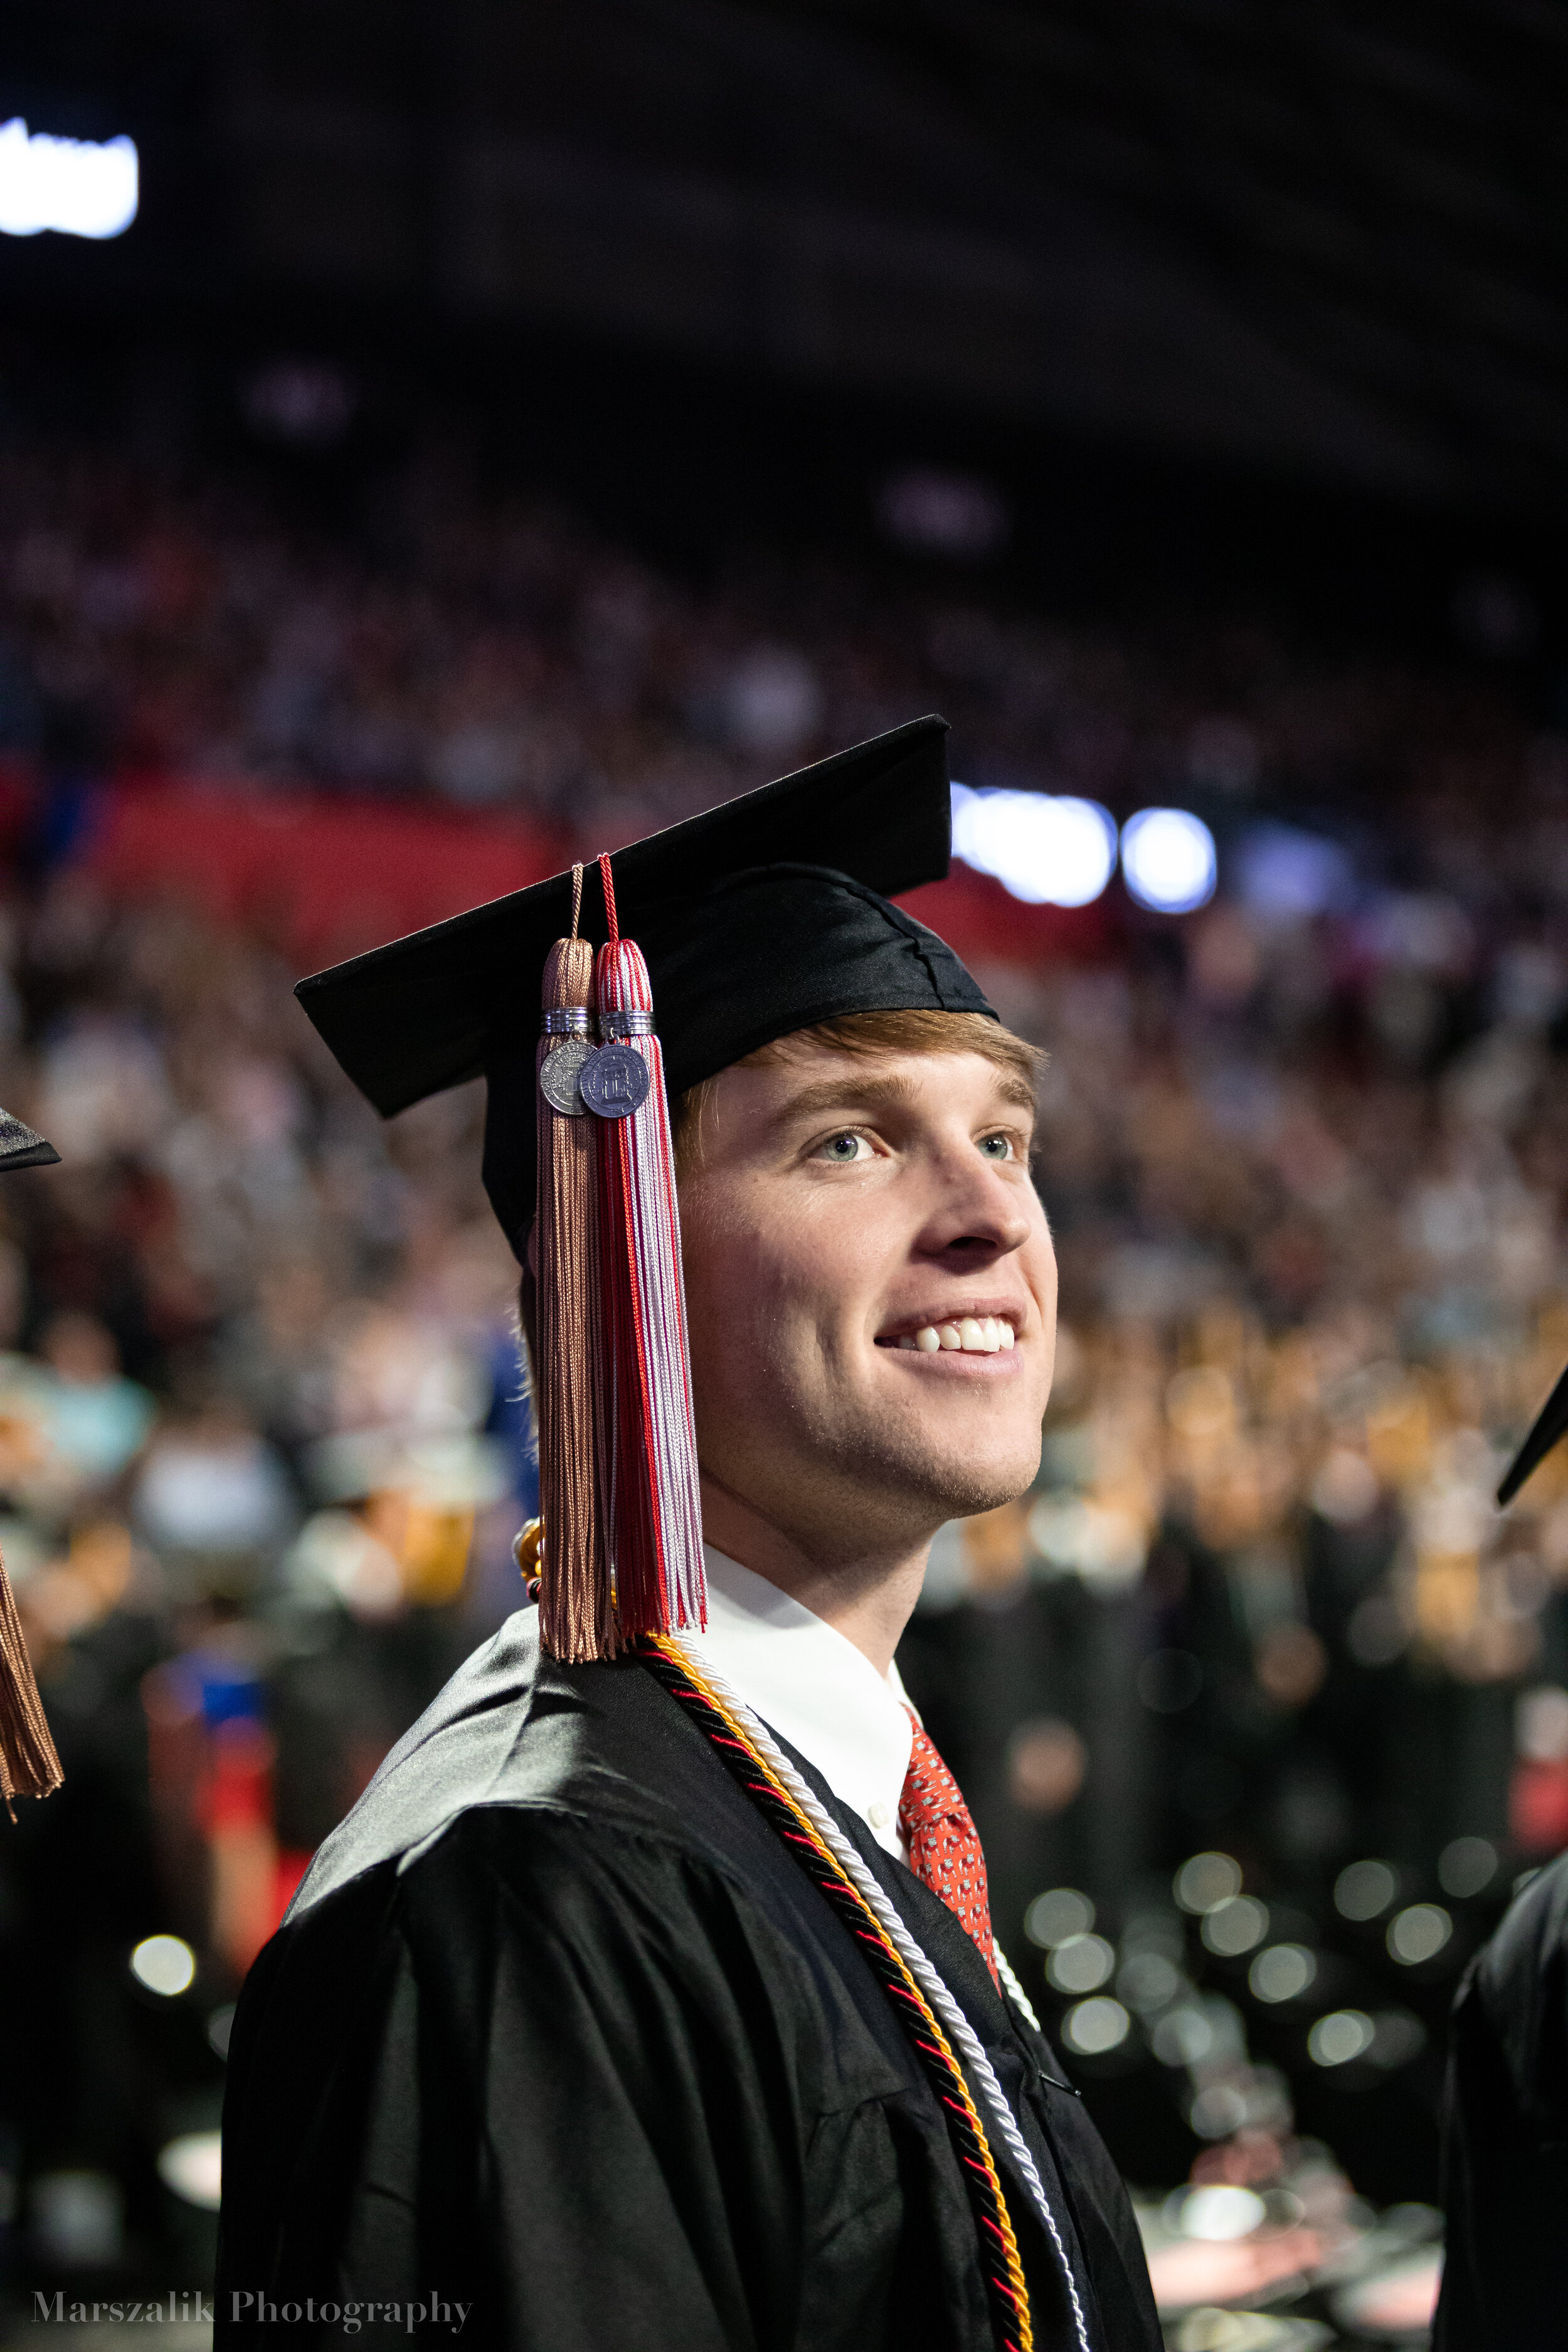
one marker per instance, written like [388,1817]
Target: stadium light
[192,2166]
[164,1964]
[83,187]
[1047,851]
[1168,860]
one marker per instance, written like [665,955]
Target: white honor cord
[921,1968]
[1017,1994]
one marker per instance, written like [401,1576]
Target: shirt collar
[814,1687]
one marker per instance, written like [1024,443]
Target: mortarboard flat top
[1551,1423]
[759,917]
[20,1147]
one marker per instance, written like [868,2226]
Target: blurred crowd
[482,647]
[1261,1617]
[263,1439]
[262,1454]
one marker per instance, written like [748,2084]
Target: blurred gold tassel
[28,1764]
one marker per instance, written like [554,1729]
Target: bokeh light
[1058,1913]
[1234,1925]
[1168,860]
[1218,2212]
[1466,1866]
[164,1964]
[78,187]
[1282,871]
[1283,1972]
[1343,2034]
[1081,1964]
[1364,1890]
[1205,1881]
[192,2166]
[1419,1933]
[1093,2027]
[1045,850]
[1184,2037]
[1147,1981]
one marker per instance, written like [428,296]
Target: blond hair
[910,1030]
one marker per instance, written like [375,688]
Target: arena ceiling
[1323,236]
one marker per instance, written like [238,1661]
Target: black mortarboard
[762,917]
[20,1147]
[1551,1423]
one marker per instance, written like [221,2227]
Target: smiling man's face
[871,1289]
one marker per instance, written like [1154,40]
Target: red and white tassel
[650,1444]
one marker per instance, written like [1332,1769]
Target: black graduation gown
[1505,2278]
[557,2030]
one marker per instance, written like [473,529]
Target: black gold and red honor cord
[999,2259]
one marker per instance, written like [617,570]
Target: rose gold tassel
[576,1618]
[28,1764]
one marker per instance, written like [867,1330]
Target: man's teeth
[976,1335]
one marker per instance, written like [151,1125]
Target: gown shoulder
[511,1728]
[1506,2134]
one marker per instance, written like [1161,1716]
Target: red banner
[328,877]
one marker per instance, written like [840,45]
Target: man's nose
[979,1210]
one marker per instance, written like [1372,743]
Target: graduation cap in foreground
[20,1147]
[1551,1423]
[763,917]
[28,1764]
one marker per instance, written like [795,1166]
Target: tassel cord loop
[607,884]
[657,1514]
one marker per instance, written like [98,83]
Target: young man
[653,2002]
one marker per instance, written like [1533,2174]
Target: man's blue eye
[997,1147]
[843,1147]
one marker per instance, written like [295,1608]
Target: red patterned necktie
[943,1843]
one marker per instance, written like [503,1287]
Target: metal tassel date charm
[561,1074]
[615,1081]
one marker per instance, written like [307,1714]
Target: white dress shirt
[814,1687]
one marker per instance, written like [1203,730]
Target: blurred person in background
[211,1489]
[93,1421]
[76,1876]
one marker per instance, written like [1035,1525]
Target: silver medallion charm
[615,1081]
[560,1073]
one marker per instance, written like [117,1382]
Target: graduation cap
[28,1764]
[758,918]
[1551,1423]
[20,1147]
